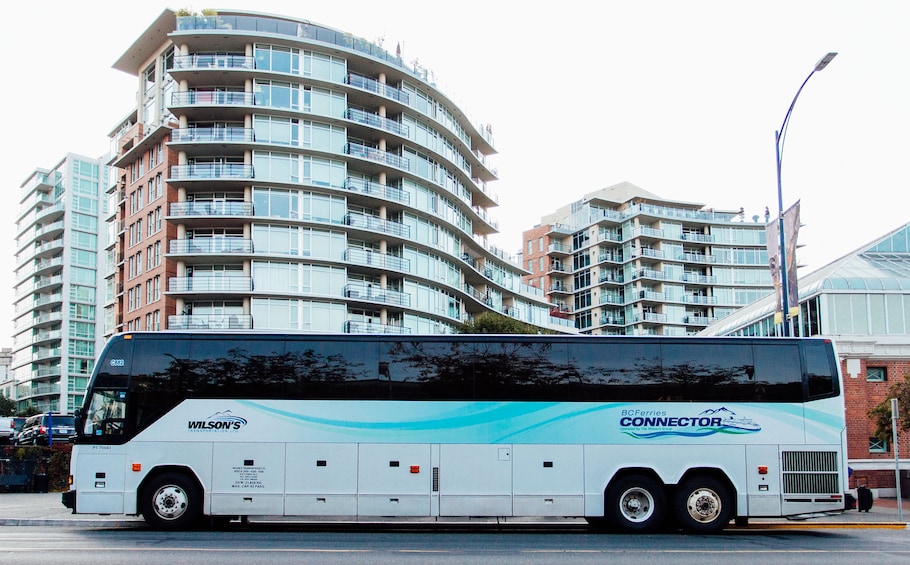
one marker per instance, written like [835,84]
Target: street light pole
[779,137]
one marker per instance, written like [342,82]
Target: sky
[681,98]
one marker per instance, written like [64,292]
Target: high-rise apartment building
[58,258]
[623,261]
[281,175]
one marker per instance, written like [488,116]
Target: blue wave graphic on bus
[706,423]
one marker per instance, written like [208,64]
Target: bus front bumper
[69,500]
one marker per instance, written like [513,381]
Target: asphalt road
[261,543]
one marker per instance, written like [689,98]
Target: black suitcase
[864,499]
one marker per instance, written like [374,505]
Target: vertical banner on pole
[791,232]
[772,239]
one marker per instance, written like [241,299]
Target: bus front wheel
[636,503]
[171,501]
[702,504]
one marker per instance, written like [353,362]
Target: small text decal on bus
[219,421]
[652,424]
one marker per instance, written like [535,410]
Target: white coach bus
[632,433]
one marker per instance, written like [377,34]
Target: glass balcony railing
[215,245]
[210,322]
[211,208]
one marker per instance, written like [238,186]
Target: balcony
[211,208]
[480,296]
[610,278]
[377,294]
[366,258]
[210,322]
[650,274]
[698,279]
[697,258]
[210,246]
[378,190]
[376,87]
[210,284]
[699,320]
[206,135]
[560,288]
[648,232]
[654,318]
[212,98]
[372,223]
[377,121]
[216,61]
[698,299]
[609,298]
[359,327]
[26,391]
[559,248]
[377,155]
[697,237]
[211,171]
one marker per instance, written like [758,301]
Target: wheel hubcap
[636,504]
[704,505]
[170,502]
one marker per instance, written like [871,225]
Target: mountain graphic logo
[225,421]
[706,423]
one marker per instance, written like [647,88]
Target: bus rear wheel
[702,504]
[171,501]
[636,503]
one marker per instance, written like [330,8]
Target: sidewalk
[45,509]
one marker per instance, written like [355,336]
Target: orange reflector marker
[137,467]
[127,336]
[415,469]
[762,469]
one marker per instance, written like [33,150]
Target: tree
[7,406]
[880,414]
[493,323]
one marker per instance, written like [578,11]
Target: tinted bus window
[233,368]
[520,370]
[324,369]
[429,370]
[617,370]
[114,368]
[159,379]
[708,371]
[819,370]
[778,376]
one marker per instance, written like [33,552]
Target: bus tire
[703,504]
[171,501]
[636,503]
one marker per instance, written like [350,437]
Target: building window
[878,445]
[876,374]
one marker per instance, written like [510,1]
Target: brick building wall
[861,395]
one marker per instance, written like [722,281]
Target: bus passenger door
[475,480]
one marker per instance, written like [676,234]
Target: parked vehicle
[36,429]
[9,428]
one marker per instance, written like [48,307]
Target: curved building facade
[313,182]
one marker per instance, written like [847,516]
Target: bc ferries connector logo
[652,424]
[219,421]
